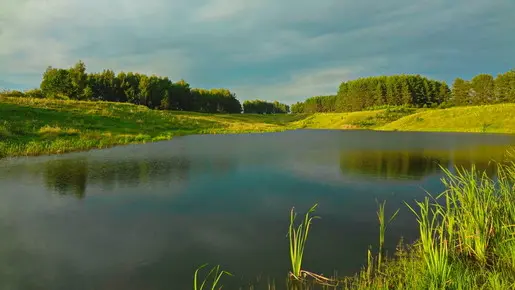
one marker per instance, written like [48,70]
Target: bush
[13,93]
[34,93]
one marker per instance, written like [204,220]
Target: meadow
[32,126]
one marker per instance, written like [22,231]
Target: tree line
[264,107]
[152,91]
[363,93]
[483,89]
[414,91]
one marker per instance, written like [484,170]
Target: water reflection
[72,176]
[67,176]
[416,164]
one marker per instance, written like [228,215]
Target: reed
[298,237]
[215,274]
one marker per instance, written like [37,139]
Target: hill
[43,126]
[488,118]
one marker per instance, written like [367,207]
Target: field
[42,126]
[39,126]
[490,118]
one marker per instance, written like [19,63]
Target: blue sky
[286,50]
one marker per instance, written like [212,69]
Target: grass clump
[215,274]
[298,237]
[466,240]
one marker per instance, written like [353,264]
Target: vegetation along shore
[466,241]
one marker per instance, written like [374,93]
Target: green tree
[78,79]
[461,92]
[482,89]
[56,82]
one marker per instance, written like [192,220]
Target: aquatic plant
[298,237]
[215,273]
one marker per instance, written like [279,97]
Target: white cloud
[307,83]
[169,62]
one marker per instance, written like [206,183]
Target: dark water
[145,216]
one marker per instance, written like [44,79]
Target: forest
[361,94]
[152,91]
[264,107]
[413,91]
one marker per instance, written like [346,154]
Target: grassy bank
[39,126]
[42,126]
[466,241]
[491,118]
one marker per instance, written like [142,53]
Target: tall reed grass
[298,237]
[466,240]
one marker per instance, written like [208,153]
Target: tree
[78,79]
[461,92]
[56,82]
[380,94]
[482,89]
[504,87]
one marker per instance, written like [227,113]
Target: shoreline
[35,127]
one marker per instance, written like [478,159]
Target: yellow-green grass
[354,120]
[40,126]
[335,120]
[490,118]
[46,126]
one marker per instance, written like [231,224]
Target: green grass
[298,237]
[489,118]
[30,126]
[215,274]
[40,126]
[467,238]
[355,120]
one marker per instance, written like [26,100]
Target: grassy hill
[491,118]
[41,126]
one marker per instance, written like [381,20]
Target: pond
[146,216]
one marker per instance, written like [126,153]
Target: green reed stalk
[434,245]
[475,208]
[298,237]
[214,272]
[382,229]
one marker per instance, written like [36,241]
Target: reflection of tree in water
[415,164]
[67,176]
[389,164]
[71,176]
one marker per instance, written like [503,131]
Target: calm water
[145,216]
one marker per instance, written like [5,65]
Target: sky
[283,50]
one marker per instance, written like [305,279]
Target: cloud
[261,49]
[321,81]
